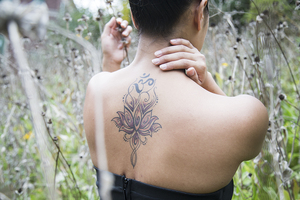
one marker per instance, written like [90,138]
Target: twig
[285,58]
[8,121]
[56,165]
[63,157]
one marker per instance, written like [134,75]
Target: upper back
[165,130]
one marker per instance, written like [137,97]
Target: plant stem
[33,99]
[94,52]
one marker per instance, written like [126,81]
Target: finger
[180,41]
[192,74]
[124,24]
[110,25]
[173,57]
[178,64]
[119,20]
[127,31]
[173,49]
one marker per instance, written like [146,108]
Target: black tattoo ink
[137,121]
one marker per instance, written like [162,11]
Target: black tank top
[129,189]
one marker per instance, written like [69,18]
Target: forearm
[108,65]
[211,86]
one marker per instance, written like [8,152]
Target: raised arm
[183,55]
[113,44]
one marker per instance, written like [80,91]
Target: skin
[204,135]
[112,44]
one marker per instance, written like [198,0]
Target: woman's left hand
[183,55]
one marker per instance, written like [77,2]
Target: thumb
[109,26]
[192,74]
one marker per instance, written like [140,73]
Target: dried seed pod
[238,39]
[98,18]
[266,13]
[67,17]
[19,191]
[17,169]
[282,97]
[120,29]
[49,121]
[83,18]
[286,174]
[212,25]
[55,139]
[119,14]
[79,29]
[235,47]
[108,1]
[257,59]
[100,12]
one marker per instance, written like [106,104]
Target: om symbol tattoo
[137,120]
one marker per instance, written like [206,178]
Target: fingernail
[120,46]
[193,73]
[174,40]
[155,61]
[163,67]
[158,53]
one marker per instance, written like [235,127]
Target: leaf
[295,189]
[286,195]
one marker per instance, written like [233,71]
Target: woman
[169,136]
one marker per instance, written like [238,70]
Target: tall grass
[260,60]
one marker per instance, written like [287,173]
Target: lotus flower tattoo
[137,120]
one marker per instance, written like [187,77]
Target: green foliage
[277,10]
[61,68]
[126,11]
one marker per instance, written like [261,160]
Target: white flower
[259,19]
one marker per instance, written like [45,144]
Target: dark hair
[158,17]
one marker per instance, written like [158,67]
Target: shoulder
[94,88]
[98,79]
[251,123]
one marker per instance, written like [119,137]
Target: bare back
[163,129]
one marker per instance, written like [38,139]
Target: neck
[147,47]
